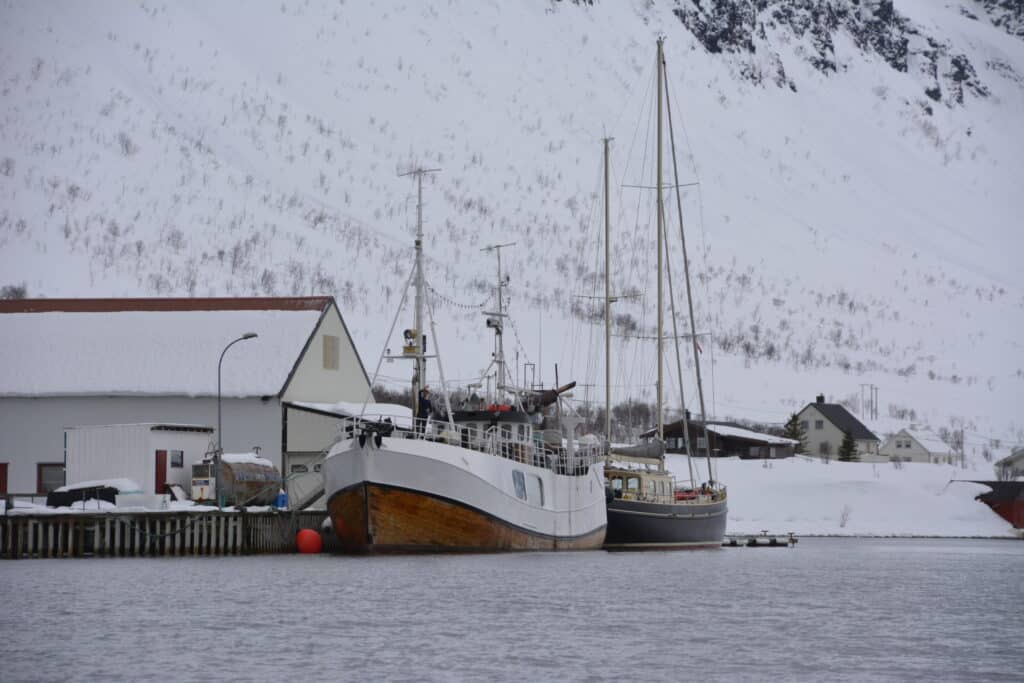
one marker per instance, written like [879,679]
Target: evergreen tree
[848,449]
[793,430]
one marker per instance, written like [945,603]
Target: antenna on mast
[496,319]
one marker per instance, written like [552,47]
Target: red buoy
[308,541]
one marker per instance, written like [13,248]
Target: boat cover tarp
[653,450]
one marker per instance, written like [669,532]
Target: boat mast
[661,228]
[607,307]
[498,322]
[689,293]
[418,338]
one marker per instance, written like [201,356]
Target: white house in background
[75,362]
[913,445]
[825,425]
[1012,466]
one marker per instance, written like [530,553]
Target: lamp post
[220,441]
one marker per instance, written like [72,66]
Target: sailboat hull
[639,525]
[409,495]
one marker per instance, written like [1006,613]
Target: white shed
[153,455]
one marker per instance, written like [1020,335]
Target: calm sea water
[829,609]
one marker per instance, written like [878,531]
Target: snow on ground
[808,497]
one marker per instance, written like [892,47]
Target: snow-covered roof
[152,346]
[398,414]
[928,440]
[739,432]
[250,458]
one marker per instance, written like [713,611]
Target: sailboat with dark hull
[646,508]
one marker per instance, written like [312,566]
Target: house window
[177,459]
[819,424]
[803,425]
[330,352]
[49,476]
[519,481]
[299,469]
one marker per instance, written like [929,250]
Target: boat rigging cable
[384,350]
[686,269]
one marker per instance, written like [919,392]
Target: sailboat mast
[689,291]
[661,229]
[607,307]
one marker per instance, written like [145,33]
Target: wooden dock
[762,540]
[153,534]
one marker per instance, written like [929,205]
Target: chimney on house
[821,398]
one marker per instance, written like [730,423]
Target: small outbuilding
[726,439]
[154,455]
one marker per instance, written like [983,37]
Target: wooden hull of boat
[637,525]
[375,518]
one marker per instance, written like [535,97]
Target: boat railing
[490,441]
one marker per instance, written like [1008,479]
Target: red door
[161,472]
[3,477]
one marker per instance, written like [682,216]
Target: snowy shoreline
[811,498]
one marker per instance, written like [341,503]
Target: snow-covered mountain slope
[856,219]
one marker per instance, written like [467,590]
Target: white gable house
[73,362]
[912,445]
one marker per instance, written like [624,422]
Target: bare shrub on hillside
[14,291]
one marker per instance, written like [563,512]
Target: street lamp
[220,442]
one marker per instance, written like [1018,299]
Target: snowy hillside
[856,219]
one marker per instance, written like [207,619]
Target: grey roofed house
[825,425]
